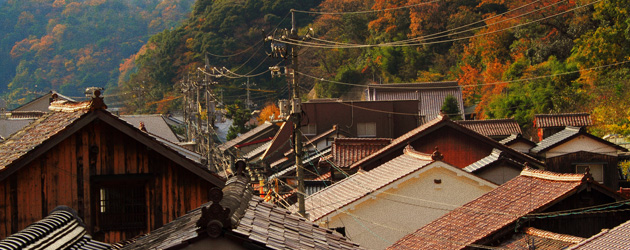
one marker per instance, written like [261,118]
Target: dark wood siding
[62,176]
[566,164]
[459,149]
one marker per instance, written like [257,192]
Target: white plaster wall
[581,143]
[500,174]
[521,147]
[378,222]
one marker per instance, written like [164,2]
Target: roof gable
[66,119]
[570,134]
[433,125]
[532,191]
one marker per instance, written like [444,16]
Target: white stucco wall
[380,219]
[581,143]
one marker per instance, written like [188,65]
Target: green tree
[451,108]
[240,116]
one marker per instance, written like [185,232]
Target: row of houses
[379,175]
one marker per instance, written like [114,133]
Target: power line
[394,44]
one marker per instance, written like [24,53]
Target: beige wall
[521,147]
[581,143]
[500,174]
[380,219]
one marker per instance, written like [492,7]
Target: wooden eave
[123,127]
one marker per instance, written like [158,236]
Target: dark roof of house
[10,126]
[257,151]
[247,135]
[562,120]
[540,239]
[280,141]
[61,229]
[307,160]
[30,106]
[493,127]
[248,218]
[609,239]
[516,138]
[154,124]
[430,94]
[565,135]
[428,127]
[363,183]
[532,191]
[346,151]
[68,117]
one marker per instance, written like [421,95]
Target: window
[310,129]
[367,129]
[597,171]
[121,205]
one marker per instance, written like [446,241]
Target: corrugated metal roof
[562,120]
[61,229]
[475,220]
[431,95]
[247,135]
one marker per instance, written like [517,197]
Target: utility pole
[283,50]
[247,86]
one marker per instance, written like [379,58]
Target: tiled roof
[495,127]
[562,120]
[556,138]
[26,114]
[431,95]
[493,157]
[61,229]
[542,240]
[516,138]
[34,134]
[613,239]
[247,135]
[257,151]
[346,151]
[531,191]
[252,220]
[362,183]
[155,124]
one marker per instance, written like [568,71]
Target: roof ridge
[551,235]
[410,151]
[547,175]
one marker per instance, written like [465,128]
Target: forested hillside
[513,58]
[67,45]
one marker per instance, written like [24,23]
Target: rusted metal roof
[251,220]
[493,127]
[462,227]
[562,120]
[346,151]
[541,240]
[363,183]
[608,239]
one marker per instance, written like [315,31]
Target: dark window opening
[121,206]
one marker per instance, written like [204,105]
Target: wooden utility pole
[296,114]
[281,49]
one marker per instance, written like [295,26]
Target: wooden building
[572,150]
[121,180]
